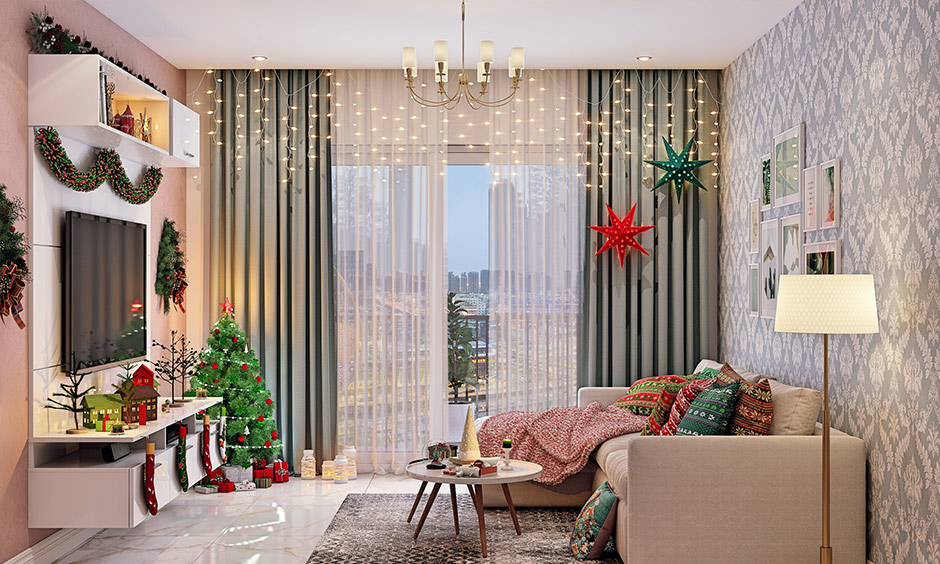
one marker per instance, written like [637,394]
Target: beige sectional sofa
[725,499]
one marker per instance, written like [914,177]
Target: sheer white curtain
[536,241]
[388,193]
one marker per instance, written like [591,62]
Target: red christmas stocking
[150,493]
[206,461]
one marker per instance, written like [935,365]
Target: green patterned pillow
[661,410]
[710,411]
[595,524]
[642,396]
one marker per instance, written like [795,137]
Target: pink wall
[14,149]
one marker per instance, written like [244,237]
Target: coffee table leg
[479,504]
[417,499]
[453,505]
[512,508]
[427,508]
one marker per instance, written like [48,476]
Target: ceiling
[370,33]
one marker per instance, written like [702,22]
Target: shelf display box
[281,473]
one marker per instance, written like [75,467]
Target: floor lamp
[842,304]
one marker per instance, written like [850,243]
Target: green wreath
[107,166]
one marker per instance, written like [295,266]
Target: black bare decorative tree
[179,359]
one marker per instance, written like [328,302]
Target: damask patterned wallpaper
[864,76]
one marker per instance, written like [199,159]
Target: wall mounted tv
[105,293]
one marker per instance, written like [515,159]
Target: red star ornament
[228,307]
[621,233]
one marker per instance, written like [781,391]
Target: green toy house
[98,405]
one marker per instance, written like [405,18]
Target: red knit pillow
[642,396]
[663,408]
[755,407]
[682,403]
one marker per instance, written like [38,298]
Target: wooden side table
[524,471]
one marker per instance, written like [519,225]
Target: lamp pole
[825,551]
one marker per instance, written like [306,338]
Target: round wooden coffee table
[524,471]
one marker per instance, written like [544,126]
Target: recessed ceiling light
[260,58]
[644,58]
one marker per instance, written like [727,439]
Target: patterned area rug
[371,529]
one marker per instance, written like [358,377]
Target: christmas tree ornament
[227,307]
[621,234]
[469,444]
[150,493]
[171,275]
[181,460]
[679,169]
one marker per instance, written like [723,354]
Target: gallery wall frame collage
[777,244]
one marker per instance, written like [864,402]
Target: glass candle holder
[328,468]
[308,466]
[340,469]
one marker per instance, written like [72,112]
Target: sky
[468,217]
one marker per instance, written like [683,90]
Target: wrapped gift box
[263,482]
[281,473]
[263,473]
[226,487]
[244,486]
[237,473]
[104,425]
[210,489]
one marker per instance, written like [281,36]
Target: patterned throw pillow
[595,524]
[642,396]
[682,403]
[660,413]
[755,408]
[710,411]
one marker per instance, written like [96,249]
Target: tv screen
[105,296]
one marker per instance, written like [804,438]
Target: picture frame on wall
[766,197]
[830,193]
[810,211]
[824,257]
[788,166]
[753,293]
[791,245]
[769,260]
[754,209]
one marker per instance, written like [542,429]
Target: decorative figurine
[507,447]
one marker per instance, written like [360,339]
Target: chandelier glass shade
[409,62]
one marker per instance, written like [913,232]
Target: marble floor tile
[261,549]
[185,520]
[314,492]
[391,483]
[281,520]
[140,550]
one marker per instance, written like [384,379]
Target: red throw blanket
[560,439]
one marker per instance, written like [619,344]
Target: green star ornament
[678,169]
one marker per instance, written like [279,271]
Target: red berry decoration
[258,378]
[215,365]
[261,419]
[241,438]
[244,367]
[267,443]
[201,364]
[215,381]
[234,339]
[216,331]
[274,435]
[268,401]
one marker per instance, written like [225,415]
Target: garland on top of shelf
[46,36]
[13,269]
[107,166]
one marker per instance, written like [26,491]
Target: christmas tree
[229,369]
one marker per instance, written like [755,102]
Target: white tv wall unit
[70,484]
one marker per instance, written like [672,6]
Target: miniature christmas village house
[144,394]
[101,406]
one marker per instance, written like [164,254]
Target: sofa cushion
[754,409]
[682,403]
[612,446]
[660,413]
[710,411]
[752,377]
[795,409]
[642,396]
[595,524]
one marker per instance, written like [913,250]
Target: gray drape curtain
[658,314]
[271,241]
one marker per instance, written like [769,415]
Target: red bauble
[235,339]
[201,364]
[621,233]
[268,401]
[244,367]
[215,381]
[267,443]
[215,365]
[258,378]
[261,419]
[241,438]
[274,435]
[216,331]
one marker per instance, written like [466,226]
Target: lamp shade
[826,303]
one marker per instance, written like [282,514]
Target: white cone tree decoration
[469,445]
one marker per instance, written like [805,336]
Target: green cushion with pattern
[595,524]
[642,396]
[710,411]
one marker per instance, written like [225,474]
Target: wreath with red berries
[171,272]
[13,269]
[107,166]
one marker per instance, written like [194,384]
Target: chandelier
[409,62]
